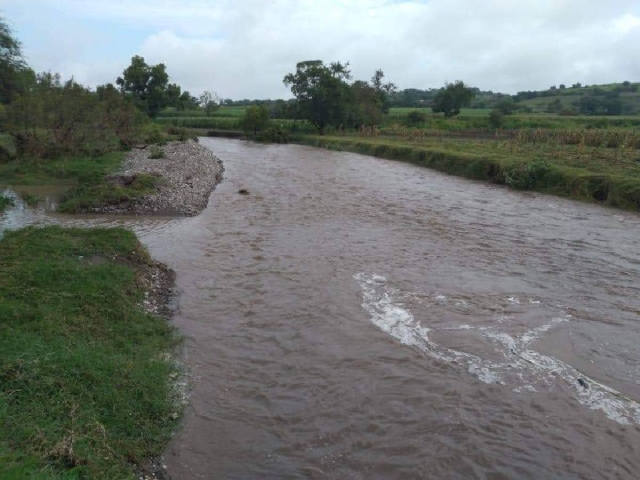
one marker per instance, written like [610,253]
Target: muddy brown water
[360,318]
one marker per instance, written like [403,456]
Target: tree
[147,84]
[210,101]
[187,101]
[452,98]
[56,118]
[14,72]
[506,105]
[322,93]
[365,108]
[496,118]
[384,91]
[256,118]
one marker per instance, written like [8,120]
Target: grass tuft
[6,202]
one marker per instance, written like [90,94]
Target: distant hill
[611,99]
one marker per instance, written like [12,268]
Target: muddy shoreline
[188,171]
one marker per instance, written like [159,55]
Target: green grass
[31,200]
[62,171]
[88,197]
[5,202]
[7,148]
[609,176]
[84,177]
[569,96]
[235,112]
[85,388]
[470,119]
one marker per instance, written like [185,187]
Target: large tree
[452,98]
[370,101]
[147,84]
[13,69]
[322,92]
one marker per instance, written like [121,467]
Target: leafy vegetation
[85,389]
[324,98]
[156,153]
[256,118]
[13,69]
[452,98]
[58,118]
[5,202]
[209,102]
[149,88]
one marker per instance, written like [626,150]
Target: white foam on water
[524,367]
[398,322]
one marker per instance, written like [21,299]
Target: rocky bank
[189,172]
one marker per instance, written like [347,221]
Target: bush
[55,119]
[156,153]
[525,176]
[496,118]
[415,118]
[274,134]
[155,135]
[568,112]
[183,134]
[5,154]
[6,202]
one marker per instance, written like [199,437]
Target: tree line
[49,117]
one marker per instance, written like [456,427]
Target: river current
[359,318]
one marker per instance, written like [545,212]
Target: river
[360,318]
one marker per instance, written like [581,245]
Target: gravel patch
[189,172]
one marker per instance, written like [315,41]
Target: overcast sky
[243,48]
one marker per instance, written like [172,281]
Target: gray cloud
[242,49]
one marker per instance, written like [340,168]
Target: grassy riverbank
[84,178]
[85,389]
[605,175]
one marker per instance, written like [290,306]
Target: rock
[583,383]
[123,179]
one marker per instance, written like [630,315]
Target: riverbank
[175,178]
[601,175]
[172,179]
[86,362]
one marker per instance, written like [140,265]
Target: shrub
[156,153]
[6,202]
[31,200]
[415,118]
[5,154]
[183,134]
[275,134]
[55,119]
[525,176]
[155,135]
[496,118]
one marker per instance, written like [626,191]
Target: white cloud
[242,49]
